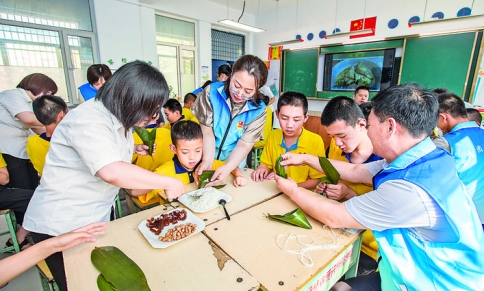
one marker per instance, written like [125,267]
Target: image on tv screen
[350,70]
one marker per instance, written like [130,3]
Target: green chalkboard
[300,71]
[439,61]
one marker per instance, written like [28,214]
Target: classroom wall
[126,28]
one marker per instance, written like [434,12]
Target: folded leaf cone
[295,217]
[147,137]
[280,170]
[332,175]
[117,270]
[204,179]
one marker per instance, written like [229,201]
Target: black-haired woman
[90,158]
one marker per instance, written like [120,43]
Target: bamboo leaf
[204,179]
[147,137]
[103,284]
[118,270]
[280,170]
[295,217]
[329,170]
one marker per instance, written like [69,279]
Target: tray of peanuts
[171,227]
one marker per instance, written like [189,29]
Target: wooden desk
[242,197]
[250,239]
[187,265]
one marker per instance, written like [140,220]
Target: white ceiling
[255,6]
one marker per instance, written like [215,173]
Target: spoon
[223,202]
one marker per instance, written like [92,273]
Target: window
[227,46]
[56,40]
[176,53]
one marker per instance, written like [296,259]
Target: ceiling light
[241,25]
[351,33]
[283,42]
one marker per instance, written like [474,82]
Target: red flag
[363,23]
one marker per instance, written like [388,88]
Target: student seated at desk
[188,102]
[162,154]
[292,112]
[49,110]
[187,138]
[174,112]
[345,123]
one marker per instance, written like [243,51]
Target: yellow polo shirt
[3,164]
[308,143]
[162,153]
[37,148]
[266,130]
[369,245]
[187,115]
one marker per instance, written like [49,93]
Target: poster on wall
[205,72]
[274,53]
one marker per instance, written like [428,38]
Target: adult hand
[142,150]
[78,236]
[271,176]
[288,186]
[292,159]
[204,165]
[175,189]
[219,176]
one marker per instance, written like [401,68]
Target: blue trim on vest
[224,124]
[408,260]
[87,91]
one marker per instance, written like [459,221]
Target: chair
[46,278]
[256,157]
[12,229]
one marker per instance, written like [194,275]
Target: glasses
[237,92]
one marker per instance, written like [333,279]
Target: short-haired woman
[97,75]
[90,158]
[16,120]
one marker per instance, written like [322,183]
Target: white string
[308,244]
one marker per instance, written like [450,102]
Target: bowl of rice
[204,199]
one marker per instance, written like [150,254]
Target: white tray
[185,200]
[153,238]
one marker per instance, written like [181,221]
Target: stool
[256,157]
[12,229]
[46,278]
[138,205]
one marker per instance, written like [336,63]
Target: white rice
[209,199]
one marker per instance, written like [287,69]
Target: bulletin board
[439,61]
[300,70]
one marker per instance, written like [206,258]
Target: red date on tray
[156,225]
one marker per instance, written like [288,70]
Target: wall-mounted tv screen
[346,71]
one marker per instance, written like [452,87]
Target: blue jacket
[87,91]
[228,131]
[409,261]
[466,142]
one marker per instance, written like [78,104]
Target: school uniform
[37,148]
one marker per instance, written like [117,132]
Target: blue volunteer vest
[466,142]
[228,131]
[409,262]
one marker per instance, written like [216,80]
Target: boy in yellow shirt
[187,138]
[162,154]
[49,110]
[292,112]
[188,102]
[174,113]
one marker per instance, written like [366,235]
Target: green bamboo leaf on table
[118,271]
[147,137]
[295,217]
[204,179]
[280,170]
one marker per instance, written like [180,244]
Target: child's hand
[260,174]
[240,181]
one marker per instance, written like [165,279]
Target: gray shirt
[400,204]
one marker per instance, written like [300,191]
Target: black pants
[370,282]
[22,173]
[55,262]
[16,200]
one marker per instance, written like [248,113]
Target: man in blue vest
[464,139]
[427,228]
